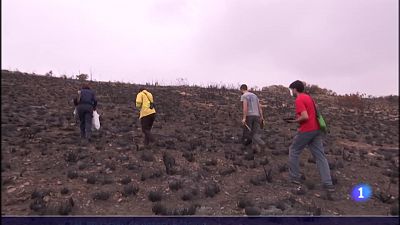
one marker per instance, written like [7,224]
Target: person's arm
[139,101]
[302,118]
[244,110]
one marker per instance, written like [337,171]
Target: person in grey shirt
[252,117]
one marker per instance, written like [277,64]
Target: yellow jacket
[143,99]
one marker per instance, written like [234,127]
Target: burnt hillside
[46,170]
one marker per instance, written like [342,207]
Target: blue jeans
[313,140]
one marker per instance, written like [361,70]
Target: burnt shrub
[252,211]
[64,191]
[130,190]
[264,161]
[245,202]
[309,184]
[283,168]
[101,195]
[39,194]
[394,210]
[65,207]
[175,185]
[150,174]
[258,180]
[212,189]
[125,180]
[169,163]
[71,157]
[159,209]
[72,174]
[227,171]
[38,205]
[189,156]
[133,166]
[187,196]
[249,156]
[147,156]
[211,162]
[91,179]
[155,196]
[110,166]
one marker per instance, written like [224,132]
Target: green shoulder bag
[321,120]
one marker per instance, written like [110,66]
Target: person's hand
[244,121]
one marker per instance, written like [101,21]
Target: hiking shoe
[329,187]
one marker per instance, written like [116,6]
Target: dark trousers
[85,113]
[252,135]
[313,140]
[147,124]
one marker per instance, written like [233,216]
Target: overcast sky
[343,45]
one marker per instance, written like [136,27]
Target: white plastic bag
[96,120]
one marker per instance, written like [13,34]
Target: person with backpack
[145,103]
[85,104]
[309,134]
[252,117]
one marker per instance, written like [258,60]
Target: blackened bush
[110,166]
[64,191]
[189,156]
[130,190]
[309,184]
[258,180]
[175,185]
[39,194]
[283,168]
[91,179]
[72,174]
[264,161]
[211,162]
[106,180]
[245,202]
[187,196]
[102,195]
[65,207]
[252,211]
[212,189]
[147,156]
[159,209]
[227,171]
[155,196]
[38,205]
[125,180]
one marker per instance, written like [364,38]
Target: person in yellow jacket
[145,103]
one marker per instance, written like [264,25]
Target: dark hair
[85,86]
[298,85]
[243,87]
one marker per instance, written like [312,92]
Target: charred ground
[197,166]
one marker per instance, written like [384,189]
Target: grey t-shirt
[252,103]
